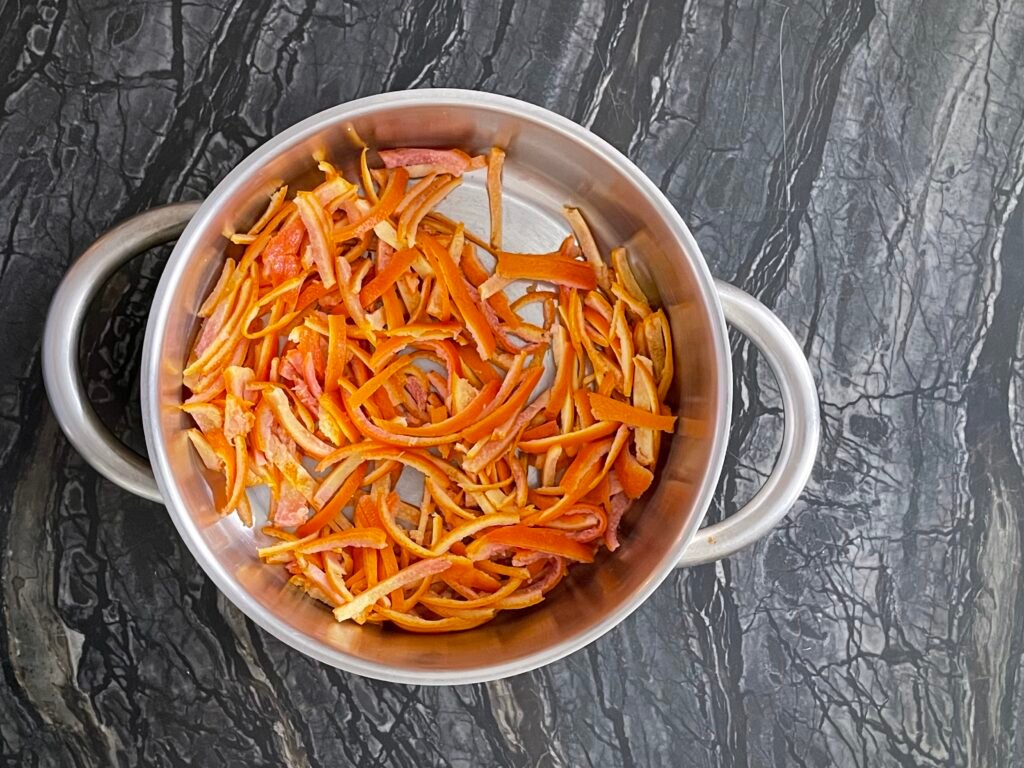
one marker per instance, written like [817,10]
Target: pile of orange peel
[360,335]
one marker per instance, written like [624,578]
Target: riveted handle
[799,443]
[61,374]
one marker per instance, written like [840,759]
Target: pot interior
[550,163]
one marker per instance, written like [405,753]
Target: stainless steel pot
[552,161]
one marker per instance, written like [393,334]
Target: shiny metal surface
[62,335]
[799,441]
[551,162]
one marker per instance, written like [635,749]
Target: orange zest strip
[547,429]
[415,572]
[361,395]
[537,539]
[608,409]
[587,245]
[565,364]
[593,432]
[634,477]
[389,200]
[398,264]
[338,501]
[371,538]
[481,602]
[467,306]
[337,341]
[309,442]
[477,275]
[495,163]
[318,226]
[508,410]
[412,623]
[472,360]
[456,423]
[549,267]
[380,435]
[332,408]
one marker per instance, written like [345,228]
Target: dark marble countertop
[856,164]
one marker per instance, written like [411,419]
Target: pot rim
[179,261]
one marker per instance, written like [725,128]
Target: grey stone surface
[857,164]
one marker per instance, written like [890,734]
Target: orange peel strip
[549,267]
[413,573]
[397,266]
[580,437]
[546,540]
[464,302]
[609,409]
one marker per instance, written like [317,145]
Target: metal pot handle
[63,380]
[799,443]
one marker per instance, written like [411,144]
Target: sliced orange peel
[357,336]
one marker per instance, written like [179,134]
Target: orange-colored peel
[362,341]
